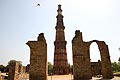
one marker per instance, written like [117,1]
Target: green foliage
[13,63]
[116,67]
[70,68]
[50,68]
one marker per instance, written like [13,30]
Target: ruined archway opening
[94,52]
[95,59]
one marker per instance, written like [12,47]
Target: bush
[116,67]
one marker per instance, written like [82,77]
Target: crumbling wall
[81,58]
[13,71]
[105,60]
[96,68]
[38,58]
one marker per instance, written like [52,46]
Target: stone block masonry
[105,60]
[81,58]
[38,58]
[13,71]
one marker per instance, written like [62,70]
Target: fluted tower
[60,54]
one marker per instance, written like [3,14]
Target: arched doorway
[95,59]
[94,52]
[104,66]
[81,58]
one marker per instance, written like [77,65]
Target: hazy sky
[23,20]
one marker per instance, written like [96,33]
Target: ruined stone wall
[105,60]
[27,68]
[38,58]
[96,68]
[81,58]
[13,71]
[0,76]
[23,69]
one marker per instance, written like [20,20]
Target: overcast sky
[23,20]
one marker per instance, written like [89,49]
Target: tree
[119,59]
[50,68]
[116,67]
[13,62]
[70,68]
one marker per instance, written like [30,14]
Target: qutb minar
[60,54]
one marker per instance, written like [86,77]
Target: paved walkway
[60,77]
[69,77]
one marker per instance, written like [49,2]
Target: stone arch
[95,41]
[93,48]
[96,63]
[81,58]
[106,69]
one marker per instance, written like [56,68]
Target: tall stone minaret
[60,54]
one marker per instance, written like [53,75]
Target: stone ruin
[96,68]
[0,76]
[82,67]
[13,71]
[81,58]
[38,58]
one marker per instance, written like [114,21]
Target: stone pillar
[105,60]
[38,58]
[81,58]
[0,76]
[23,69]
[13,71]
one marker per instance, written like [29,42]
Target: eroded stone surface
[81,58]
[13,71]
[38,58]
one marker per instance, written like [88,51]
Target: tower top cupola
[59,17]
[59,9]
